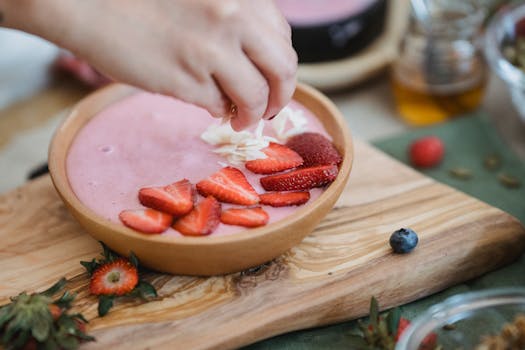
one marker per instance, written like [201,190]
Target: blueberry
[403,240]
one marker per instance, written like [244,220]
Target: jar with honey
[440,72]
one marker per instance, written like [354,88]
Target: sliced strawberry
[117,277]
[279,158]
[284,199]
[202,220]
[146,220]
[229,185]
[401,327]
[247,217]
[315,149]
[301,179]
[175,199]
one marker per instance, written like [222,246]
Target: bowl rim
[453,308]
[494,36]
[59,174]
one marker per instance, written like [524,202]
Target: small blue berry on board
[403,240]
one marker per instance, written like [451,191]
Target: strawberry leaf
[374,312]
[105,303]
[65,300]
[90,266]
[145,290]
[41,322]
[55,288]
[133,260]
[68,342]
[108,254]
[393,320]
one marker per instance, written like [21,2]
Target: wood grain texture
[328,278]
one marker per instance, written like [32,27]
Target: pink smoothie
[151,140]
[308,12]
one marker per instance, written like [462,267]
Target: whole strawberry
[426,152]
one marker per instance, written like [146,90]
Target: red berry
[301,179]
[146,220]
[284,199]
[114,278]
[55,311]
[315,149]
[401,327]
[279,158]
[429,343]
[175,199]
[229,185]
[247,217]
[426,152]
[202,220]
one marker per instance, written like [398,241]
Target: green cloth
[468,141]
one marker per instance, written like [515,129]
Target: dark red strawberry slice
[202,220]
[284,199]
[247,217]
[229,185]
[279,158]
[146,220]
[175,199]
[315,149]
[301,179]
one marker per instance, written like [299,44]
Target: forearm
[49,19]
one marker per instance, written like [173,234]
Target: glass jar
[469,321]
[440,71]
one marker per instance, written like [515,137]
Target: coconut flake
[289,122]
[237,147]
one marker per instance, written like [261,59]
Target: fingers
[203,93]
[245,86]
[268,12]
[277,61]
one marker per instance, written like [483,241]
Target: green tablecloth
[468,140]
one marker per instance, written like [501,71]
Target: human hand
[207,52]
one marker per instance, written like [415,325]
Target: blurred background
[376,59]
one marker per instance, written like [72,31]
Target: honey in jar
[440,72]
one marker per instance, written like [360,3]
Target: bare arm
[206,52]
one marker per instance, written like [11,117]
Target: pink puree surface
[151,140]
[304,12]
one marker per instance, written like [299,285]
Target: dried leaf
[509,181]
[449,327]
[492,162]
[460,173]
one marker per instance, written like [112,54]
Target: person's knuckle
[287,70]
[224,10]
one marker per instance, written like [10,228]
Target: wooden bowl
[210,255]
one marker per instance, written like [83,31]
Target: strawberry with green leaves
[37,321]
[114,276]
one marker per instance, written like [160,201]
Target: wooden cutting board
[328,278]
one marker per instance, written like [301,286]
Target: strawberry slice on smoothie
[202,220]
[175,199]
[279,158]
[229,185]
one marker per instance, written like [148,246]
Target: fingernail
[273,116]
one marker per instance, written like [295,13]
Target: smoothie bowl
[124,161]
